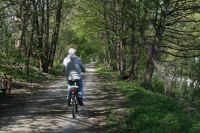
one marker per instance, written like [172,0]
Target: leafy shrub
[195,128]
[158,85]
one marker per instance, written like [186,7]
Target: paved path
[46,110]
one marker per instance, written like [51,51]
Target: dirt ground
[45,110]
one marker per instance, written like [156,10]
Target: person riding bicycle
[73,70]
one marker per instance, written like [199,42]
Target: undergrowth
[19,74]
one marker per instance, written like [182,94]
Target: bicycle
[73,88]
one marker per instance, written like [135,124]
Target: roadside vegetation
[13,68]
[149,112]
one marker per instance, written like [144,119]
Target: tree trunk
[55,35]
[121,57]
[154,52]
[136,53]
[149,69]
[135,62]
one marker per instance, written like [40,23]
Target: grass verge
[148,112]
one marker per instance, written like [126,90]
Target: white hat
[72,51]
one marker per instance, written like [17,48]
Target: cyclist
[73,69]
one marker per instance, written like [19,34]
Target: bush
[157,85]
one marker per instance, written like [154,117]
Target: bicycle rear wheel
[76,105]
[73,107]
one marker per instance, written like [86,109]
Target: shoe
[69,102]
[80,101]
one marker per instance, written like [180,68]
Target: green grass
[106,73]
[149,112]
